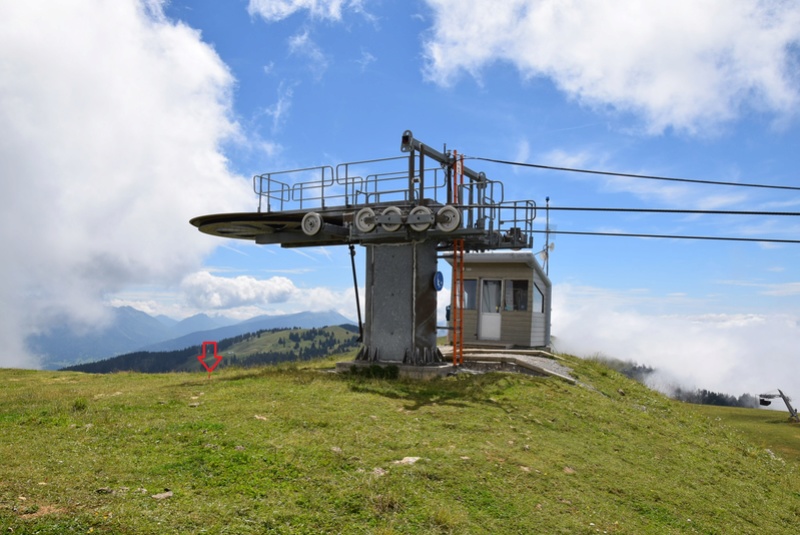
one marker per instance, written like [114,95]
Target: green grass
[769,429]
[297,449]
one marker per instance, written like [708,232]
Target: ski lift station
[408,212]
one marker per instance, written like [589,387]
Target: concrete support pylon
[400,304]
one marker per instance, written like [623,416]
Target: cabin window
[470,300]
[538,299]
[516,296]
[491,296]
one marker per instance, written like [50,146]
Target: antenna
[548,247]
[544,254]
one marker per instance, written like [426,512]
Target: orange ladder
[457,312]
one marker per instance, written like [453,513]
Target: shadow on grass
[783,421]
[460,392]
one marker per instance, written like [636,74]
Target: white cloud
[246,296]
[113,121]
[366,60]
[320,298]
[523,151]
[732,353]
[678,64]
[204,290]
[276,10]
[781,205]
[572,158]
[780,289]
[302,44]
[649,190]
[280,110]
[669,193]
[720,202]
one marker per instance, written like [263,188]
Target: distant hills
[133,330]
[302,320]
[245,350]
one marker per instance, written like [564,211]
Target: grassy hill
[291,340]
[296,449]
[250,349]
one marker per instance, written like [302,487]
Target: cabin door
[489,322]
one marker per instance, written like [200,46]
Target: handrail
[282,188]
[358,184]
[299,188]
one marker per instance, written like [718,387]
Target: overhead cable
[669,211]
[633,175]
[664,236]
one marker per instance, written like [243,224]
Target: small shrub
[80,405]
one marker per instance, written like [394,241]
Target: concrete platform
[407,372]
[527,361]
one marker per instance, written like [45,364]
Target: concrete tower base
[400,308]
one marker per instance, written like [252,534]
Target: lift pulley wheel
[420,218]
[311,224]
[365,220]
[448,218]
[392,227]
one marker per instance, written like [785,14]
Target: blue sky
[123,122]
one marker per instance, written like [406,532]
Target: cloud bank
[246,296]
[113,119]
[731,353]
[206,290]
[679,64]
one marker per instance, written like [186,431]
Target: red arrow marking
[202,357]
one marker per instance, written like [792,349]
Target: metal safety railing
[280,195]
[352,184]
[378,182]
[392,187]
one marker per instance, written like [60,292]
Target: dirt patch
[44,510]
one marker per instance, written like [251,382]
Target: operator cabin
[506,300]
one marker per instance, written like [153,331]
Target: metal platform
[371,201]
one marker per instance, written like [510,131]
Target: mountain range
[133,330]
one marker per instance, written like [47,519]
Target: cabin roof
[525,258]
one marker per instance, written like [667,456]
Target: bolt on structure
[404,219]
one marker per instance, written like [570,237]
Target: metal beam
[409,144]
